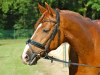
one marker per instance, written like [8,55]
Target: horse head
[45,37]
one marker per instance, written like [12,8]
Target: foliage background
[17,17]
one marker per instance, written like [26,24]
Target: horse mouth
[33,61]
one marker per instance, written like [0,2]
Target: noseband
[54,32]
[37,44]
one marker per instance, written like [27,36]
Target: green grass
[10,59]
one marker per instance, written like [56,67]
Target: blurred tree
[17,14]
[90,8]
[22,14]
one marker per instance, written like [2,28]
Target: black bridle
[42,46]
[37,44]
[45,46]
[54,32]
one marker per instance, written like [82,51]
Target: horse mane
[67,12]
[79,18]
[72,13]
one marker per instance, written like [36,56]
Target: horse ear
[41,8]
[50,10]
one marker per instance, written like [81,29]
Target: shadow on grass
[2,44]
[2,57]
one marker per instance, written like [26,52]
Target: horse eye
[46,30]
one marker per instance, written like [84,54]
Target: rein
[69,63]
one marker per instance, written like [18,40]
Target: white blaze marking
[25,51]
[36,30]
[27,46]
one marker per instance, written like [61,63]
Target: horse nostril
[27,57]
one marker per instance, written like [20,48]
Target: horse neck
[76,33]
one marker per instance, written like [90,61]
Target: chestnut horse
[56,27]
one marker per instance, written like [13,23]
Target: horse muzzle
[31,59]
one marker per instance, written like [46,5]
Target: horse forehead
[43,25]
[39,26]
